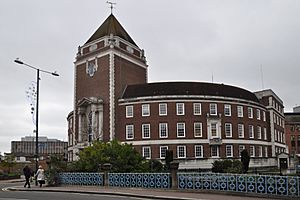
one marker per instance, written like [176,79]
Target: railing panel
[259,184]
[78,178]
[144,180]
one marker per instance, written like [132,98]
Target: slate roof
[187,88]
[111,26]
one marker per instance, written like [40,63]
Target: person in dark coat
[27,173]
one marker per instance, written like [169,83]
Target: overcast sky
[252,44]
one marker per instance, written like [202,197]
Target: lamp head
[18,61]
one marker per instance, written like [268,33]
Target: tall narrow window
[229,151]
[258,114]
[198,129]
[129,111]
[266,152]
[214,150]
[180,108]
[198,151]
[181,151]
[213,130]
[260,153]
[146,131]
[227,110]
[258,132]
[264,116]
[252,151]
[213,109]
[228,130]
[251,131]
[250,112]
[162,151]
[129,132]
[197,108]
[145,110]
[147,152]
[241,130]
[240,112]
[163,109]
[180,129]
[163,130]
[265,134]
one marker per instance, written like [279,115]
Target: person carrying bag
[40,176]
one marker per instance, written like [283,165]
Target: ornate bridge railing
[259,184]
[144,180]
[69,178]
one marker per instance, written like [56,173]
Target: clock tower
[104,66]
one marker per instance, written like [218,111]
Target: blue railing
[69,178]
[259,184]
[143,180]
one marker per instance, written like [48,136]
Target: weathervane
[111,6]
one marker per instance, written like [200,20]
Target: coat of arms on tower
[91,68]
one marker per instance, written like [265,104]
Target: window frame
[240,111]
[127,131]
[160,130]
[197,150]
[250,112]
[230,130]
[179,152]
[143,152]
[229,154]
[177,129]
[161,105]
[144,128]
[213,109]
[251,131]
[227,110]
[242,126]
[128,113]
[179,108]
[195,128]
[197,109]
[161,153]
[145,110]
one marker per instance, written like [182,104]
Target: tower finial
[111,6]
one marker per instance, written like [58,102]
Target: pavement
[163,194]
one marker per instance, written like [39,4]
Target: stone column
[174,169]
[80,127]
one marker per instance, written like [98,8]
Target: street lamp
[37,106]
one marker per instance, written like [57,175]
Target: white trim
[159,129]
[143,151]
[196,141]
[108,52]
[160,147]
[191,98]
[143,131]
[111,96]
[198,145]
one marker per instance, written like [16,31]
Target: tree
[227,166]
[168,159]
[8,162]
[122,157]
[245,159]
[56,164]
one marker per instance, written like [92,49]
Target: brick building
[200,122]
[292,129]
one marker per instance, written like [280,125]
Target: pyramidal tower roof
[111,26]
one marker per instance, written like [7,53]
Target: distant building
[200,122]
[24,150]
[292,129]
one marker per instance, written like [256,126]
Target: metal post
[37,123]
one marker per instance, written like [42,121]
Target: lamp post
[37,106]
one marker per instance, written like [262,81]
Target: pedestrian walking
[27,173]
[40,176]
